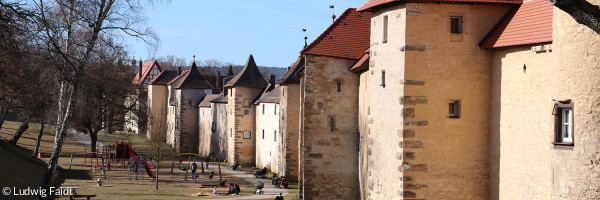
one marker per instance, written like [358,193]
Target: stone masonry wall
[330,157]
[289,101]
[240,101]
[382,123]
[447,156]
[525,86]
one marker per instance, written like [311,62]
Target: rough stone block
[412,82]
[416,123]
[414,144]
[315,155]
[409,194]
[408,133]
[413,48]
[408,112]
[409,155]
[413,100]
[422,168]
[414,186]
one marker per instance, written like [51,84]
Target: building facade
[328,138]
[267,128]
[243,89]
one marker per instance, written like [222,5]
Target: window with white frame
[563,121]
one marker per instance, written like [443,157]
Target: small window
[456,23]
[263,109]
[331,124]
[282,114]
[246,112]
[275,109]
[213,127]
[563,121]
[382,78]
[339,86]
[230,132]
[275,136]
[247,134]
[263,134]
[230,92]
[385,29]
[454,109]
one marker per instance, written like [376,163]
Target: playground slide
[146,166]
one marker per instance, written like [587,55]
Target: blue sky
[230,30]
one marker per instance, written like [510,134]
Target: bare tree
[171,62]
[158,149]
[69,31]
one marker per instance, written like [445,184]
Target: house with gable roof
[186,91]
[268,139]
[328,138]
[145,73]
[243,89]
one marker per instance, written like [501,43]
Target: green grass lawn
[117,185]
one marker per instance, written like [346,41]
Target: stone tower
[242,90]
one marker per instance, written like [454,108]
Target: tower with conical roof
[186,91]
[242,90]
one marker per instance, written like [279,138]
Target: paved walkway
[270,191]
[83,138]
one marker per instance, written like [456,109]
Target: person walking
[194,167]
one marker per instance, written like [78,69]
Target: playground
[121,182]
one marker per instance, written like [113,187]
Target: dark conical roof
[289,77]
[250,76]
[192,79]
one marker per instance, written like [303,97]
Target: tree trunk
[61,132]
[24,126]
[94,137]
[39,138]
[3,112]
[157,164]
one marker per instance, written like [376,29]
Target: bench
[75,195]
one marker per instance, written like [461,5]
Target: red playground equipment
[124,152]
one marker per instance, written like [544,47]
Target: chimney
[178,71]
[272,79]
[140,70]
[218,85]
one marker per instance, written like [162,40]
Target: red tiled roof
[146,68]
[374,3]
[347,37]
[362,64]
[530,23]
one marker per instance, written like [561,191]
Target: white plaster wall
[267,144]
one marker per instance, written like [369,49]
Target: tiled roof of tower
[374,3]
[347,37]
[271,97]
[362,64]
[207,100]
[289,77]
[530,23]
[146,67]
[250,76]
[164,77]
[191,79]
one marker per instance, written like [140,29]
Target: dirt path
[270,191]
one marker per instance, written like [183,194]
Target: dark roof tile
[250,76]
